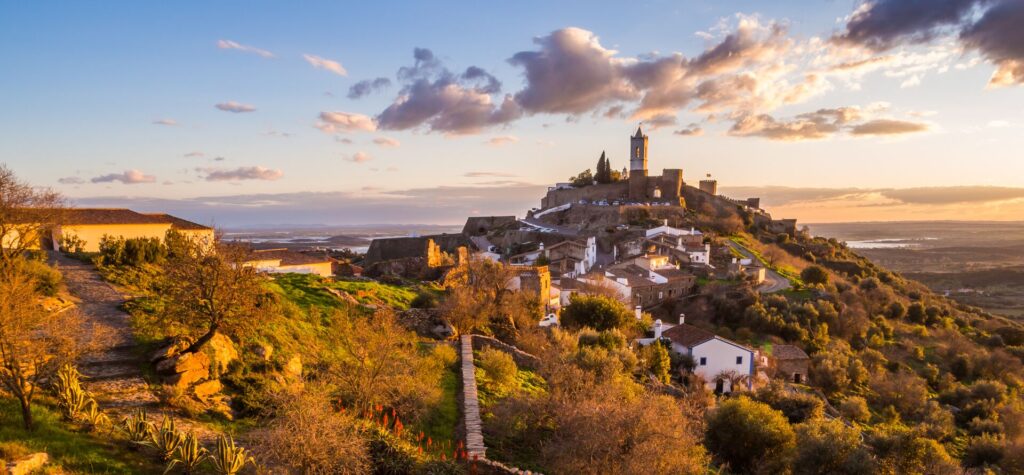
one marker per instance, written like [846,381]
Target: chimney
[639,312]
[657,329]
[682,318]
[693,232]
[665,221]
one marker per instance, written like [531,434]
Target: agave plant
[229,459]
[166,439]
[136,428]
[71,398]
[94,418]
[189,455]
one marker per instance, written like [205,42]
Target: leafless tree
[27,214]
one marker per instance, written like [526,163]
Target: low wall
[522,358]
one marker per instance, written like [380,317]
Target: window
[739,360]
[703,361]
[637,154]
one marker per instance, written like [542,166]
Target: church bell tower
[638,165]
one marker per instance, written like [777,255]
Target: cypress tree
[600,174]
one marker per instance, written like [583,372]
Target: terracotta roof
[635,275]
[788,352]
[674,274]
[688,335]
[74,216]
[288,258]
[178,223]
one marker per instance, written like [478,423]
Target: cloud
[571,73]
[168,122]
[692,130]
[359,157]
[488,175]
[659,121]
[276,133]
[71,180]
[334,122]
[368,86]
[228,44]
[888,127]
[194,154]
[502,140]
[884,24]
[445,102]
[798,129]
[999,37]
[240,173]
[325,64]
[387,142]
[232,106]
[129,177]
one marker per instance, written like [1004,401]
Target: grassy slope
[74,452]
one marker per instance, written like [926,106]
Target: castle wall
[610,191]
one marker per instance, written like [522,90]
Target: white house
[716,359]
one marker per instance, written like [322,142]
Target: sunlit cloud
[240,174]
[359,157]
[502,140]
[168,122]
[128,177]
[387,142]
[235,107]
[228,44]
[334,122]
[325,64]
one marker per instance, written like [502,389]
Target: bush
[814,275]
[117,251]
[48,279]
[446,355]
[499,366]
[916,313]
[797,407]
[424,299]
[594,311]
[855,408]
[828,446]
[657,361]
[984,450]
[750,436]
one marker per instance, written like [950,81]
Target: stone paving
[471,405]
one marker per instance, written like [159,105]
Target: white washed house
[714,358]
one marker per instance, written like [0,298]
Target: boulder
[177,345]
[263,350]
[182,381]
[293,369]
[185,363]
[223,352]
[27,465]
[206,390]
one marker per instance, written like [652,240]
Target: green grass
[527,382]
[74,452]
[307,290]
[440,423]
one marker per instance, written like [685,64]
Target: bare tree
[27,214]
[377,362]
[209,288]
[34,341]
[477,293]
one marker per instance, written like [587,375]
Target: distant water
[891,243]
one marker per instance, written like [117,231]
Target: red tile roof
[788,352]
[74,216]
[688,335]
[178,223]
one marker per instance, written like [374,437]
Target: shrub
[916,313]
[594,311]
[814,275]
[896,310]
[750,436]
[48,279]
[424,299]
[657,361]
[984,450]
[446,355]
[829,447]
[499,366]
[855,408]
[797,407]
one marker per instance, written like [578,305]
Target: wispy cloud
[334,122]
[228,44]
[277,133]
[387,142]
[71,180]
[128,177]
[325,64]
[692,130]
[359,157]
[367,86]
[236,107]
[488,175]
[168,122]
[240,174]
[502,140]
[195,154]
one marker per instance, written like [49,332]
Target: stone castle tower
[638,165]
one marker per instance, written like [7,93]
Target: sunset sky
[424,112]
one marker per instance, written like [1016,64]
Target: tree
[657,361]
[585,178]
[478,292]
[27,213]
[377,362]
[830,447]
[595,311]
[209,288]
[814,275]
[34,342]
[750,436]
[603,174]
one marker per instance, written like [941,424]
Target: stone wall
[522,358]
[611,191]
[400,248]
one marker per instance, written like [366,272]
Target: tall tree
[209,288]
[26,214]
[602,175]
[34,341]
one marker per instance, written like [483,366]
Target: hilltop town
[708,334]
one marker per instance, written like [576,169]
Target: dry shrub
[309,436]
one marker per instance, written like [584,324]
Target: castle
[637,186]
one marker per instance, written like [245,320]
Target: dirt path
[113,371]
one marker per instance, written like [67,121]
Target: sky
[245,113]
